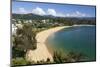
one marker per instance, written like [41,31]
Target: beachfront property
[44,33]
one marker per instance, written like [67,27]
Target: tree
[60,57]
[24,39]
[57,57]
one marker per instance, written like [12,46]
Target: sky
[61,10]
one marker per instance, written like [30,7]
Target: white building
[14,29]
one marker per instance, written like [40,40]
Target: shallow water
[78,39]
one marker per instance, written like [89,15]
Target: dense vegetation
[24,38]
[61,57]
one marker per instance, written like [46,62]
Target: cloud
[51,12]
[54,13]
[73,14]
[77,14]
[22,10]
[61,15]
[38,11]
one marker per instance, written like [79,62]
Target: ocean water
[77,38]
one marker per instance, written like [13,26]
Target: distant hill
[31,16]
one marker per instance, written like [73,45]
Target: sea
[80,39]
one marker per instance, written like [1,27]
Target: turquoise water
[78,38]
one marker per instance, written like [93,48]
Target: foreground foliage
[69,57]
[19,61]
[58,57]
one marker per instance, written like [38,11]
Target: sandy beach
[42,52]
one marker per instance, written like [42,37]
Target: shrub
[68,57]
[19,61]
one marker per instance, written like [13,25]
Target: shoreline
[83,25]
[42,52]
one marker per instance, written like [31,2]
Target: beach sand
[42,52]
